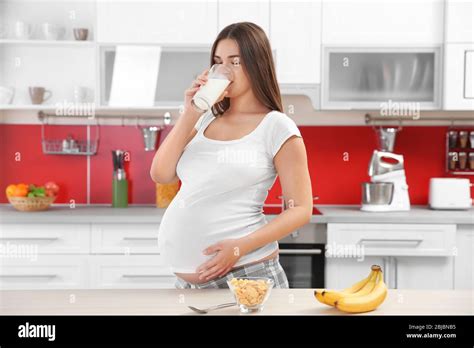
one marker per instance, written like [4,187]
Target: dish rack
[460,151]
[81,147]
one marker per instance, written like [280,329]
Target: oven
[302,256]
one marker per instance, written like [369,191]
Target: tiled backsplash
[338,159]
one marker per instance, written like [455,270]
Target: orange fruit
[21,190]
[10,190]
[23,186]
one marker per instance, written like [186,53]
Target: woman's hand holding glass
[195,85]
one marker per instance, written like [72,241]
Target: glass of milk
[219,77]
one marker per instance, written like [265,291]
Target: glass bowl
[251,293]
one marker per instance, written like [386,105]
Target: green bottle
[119,190]
[119,181]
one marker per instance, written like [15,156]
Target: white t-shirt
[223,187]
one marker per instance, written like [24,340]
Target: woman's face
[228,53]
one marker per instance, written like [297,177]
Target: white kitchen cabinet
[37,61]
[382,22]
[44,272]
[464,259]
[412,256]
[342,272]
[396,239]
[124,239]
[459,21]
[296,37]
[424,272]
[138,263]
[27,64]
[130,272]
[184,22]
[58,238]
[469,74]
[98,255]
[399,272]
[66,14]
[458,77]
[232,11]
[188,61]
[373,78]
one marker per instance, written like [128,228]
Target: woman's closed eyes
[234,64]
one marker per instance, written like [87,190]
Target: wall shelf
[46,107]
[138,108]
[27,107]
[454,151]
[43,117]
[369,119]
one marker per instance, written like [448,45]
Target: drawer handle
[29,238]
[395,271]
[300,251]
[383,240]
[140,238]
[28,275]
[144,276]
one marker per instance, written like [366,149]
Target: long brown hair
[256,57]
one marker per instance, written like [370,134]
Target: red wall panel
[338,160]
[141,187]
[69,172]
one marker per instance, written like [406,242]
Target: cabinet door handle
[28,275]
[301,251]
[29,238]
[389,240]
[395,271]
[140,238]
[385,272]
[144,276]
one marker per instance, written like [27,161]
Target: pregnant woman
[227,159]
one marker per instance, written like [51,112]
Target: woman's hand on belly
[228,252]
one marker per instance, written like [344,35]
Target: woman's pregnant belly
[185,231]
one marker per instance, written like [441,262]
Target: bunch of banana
[364,296]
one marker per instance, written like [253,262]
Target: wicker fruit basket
[31,203]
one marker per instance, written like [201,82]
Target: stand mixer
[388,190]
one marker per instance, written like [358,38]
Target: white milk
[207,95]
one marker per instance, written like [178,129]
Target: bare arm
[163,167]
[292,167]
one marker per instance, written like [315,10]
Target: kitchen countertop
[175,302]
[151,214]
[418,214]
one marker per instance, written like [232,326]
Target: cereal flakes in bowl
[251,292]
